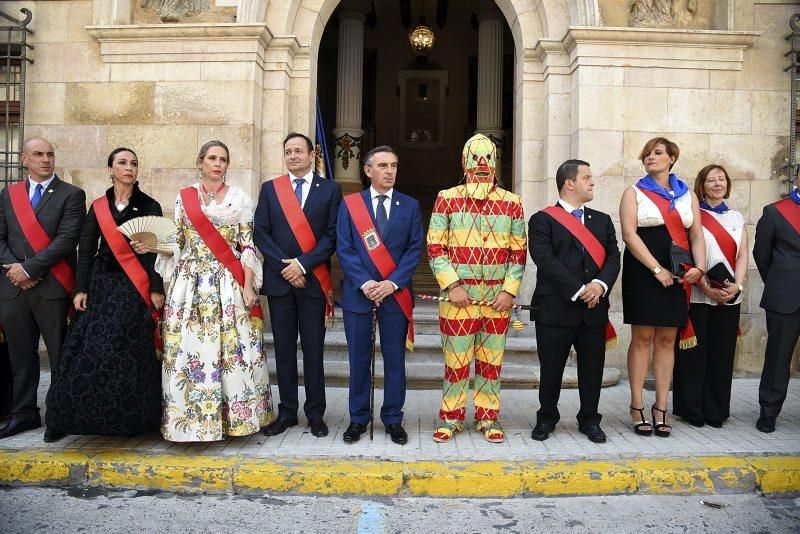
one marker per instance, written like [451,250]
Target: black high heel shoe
[639,427]
[661,429]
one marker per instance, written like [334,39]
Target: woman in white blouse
[654,298]
[703,374]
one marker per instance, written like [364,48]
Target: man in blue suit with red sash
[295,230]
[378,240]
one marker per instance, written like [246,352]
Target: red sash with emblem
[380,256]
[127,259]
[214,241]
[304,235]
[674,224]
[725,241]
[35,234]
[592,246]
[790,211]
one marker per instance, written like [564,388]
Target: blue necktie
[578,215]
[37,196]
[298,190]
[381,218]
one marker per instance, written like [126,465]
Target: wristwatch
[656,270]
[741,288]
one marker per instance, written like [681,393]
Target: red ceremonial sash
[592,246]
[674,224]
[304,235]
[724,239]
[214,240]
[790,211]
[127,259]
[35,234]
[380,256]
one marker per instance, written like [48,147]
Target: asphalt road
[40,510]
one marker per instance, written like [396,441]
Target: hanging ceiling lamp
[421,38]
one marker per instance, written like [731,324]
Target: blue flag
[323,159]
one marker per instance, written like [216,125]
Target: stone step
[427,349]
[429,375]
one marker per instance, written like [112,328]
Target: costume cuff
[605,287]
[301,266]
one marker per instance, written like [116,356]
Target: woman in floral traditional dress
[214,375]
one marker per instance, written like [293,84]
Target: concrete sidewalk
[735,458]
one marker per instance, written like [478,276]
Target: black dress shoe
[714,423]
[593,432]
[318,428]
[397,433]
[542,431]
[766,424]
[353,432]
[17,425]
[279,426]
[51,435]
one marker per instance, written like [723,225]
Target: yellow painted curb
[324,477]
[777,475]
[43,467]
[178,473]
[773,475]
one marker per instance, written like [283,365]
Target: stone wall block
[79,16]
[608,193]
[771,112]
[50,21]
[602,76]
[533,110]
[78,146]
[67,62]
[44,103]
[219,71]
[182,72]
[240,139]
[165,183]
[167,146]
[136,72]
[94,181]
[603,149]
[204,103]
[702,111]
[557,115]
[757,157]
[109,103]
[762,192]
[676,78]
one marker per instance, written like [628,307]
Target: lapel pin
[135,208]
[397,203]
[317,185]
[589,216]
[49,190]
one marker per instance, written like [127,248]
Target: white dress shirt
[570,209]
[32,186]
[306,187]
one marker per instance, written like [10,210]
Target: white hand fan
[158,233]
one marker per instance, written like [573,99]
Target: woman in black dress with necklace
[654,299]
[108,380]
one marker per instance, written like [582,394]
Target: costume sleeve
[438,238]
[247,250]
[148,260]
[87,249]
[765,240]
[517,251]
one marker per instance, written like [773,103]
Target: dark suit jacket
[402,238]
[776,252]
[274,238]
[562,268]
[61,212]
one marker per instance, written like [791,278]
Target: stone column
[490,77]
[348,132]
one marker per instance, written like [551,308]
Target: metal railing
[794,54]
[13,61]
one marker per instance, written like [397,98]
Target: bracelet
[454,285]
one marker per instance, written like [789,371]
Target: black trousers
[25,318]
[6,380]
[553,345]
[783,331]
[701,380]
[291,314]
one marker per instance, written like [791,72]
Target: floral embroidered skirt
[214,374]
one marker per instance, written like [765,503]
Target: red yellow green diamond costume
[476,238]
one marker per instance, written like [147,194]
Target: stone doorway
[423,109]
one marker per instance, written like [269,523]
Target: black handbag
[680,260]
[718,275]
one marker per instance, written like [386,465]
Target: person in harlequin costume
[477,248]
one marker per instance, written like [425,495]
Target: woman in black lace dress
[108,380]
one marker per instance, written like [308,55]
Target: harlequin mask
[478,160]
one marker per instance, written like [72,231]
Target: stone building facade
[590,78]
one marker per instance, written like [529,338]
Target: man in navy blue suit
[295,230]
[371,224]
